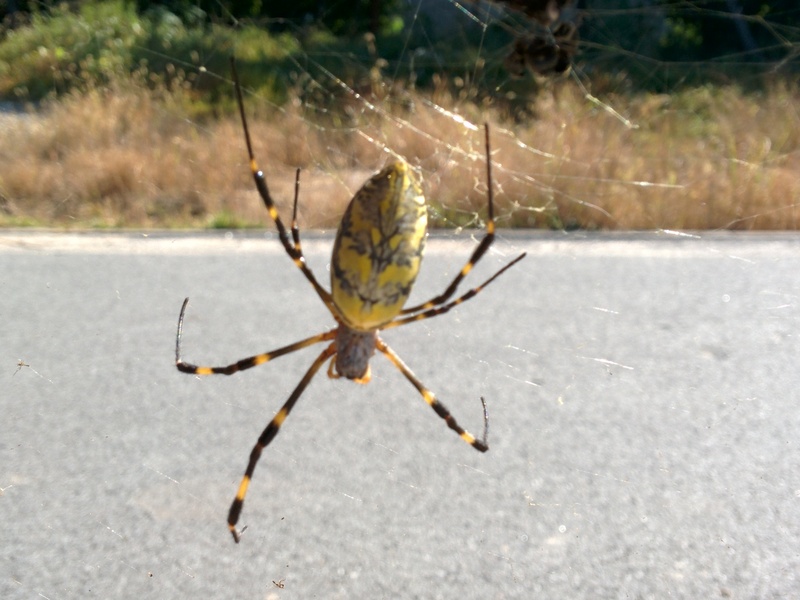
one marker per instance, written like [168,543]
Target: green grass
[226,219]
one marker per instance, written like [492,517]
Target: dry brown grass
[704,159]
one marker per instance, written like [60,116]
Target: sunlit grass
[159,144]
[128,156]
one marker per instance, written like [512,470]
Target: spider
[376,257]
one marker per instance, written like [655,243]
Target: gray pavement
[642,390]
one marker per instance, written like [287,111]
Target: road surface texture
[644,423]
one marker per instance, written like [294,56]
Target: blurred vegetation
[696,128]
[664,45]
[53,48]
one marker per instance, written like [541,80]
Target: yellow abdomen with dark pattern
[378,248]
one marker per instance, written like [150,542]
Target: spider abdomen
[378,248]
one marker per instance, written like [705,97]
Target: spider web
[576,150]
[639,383]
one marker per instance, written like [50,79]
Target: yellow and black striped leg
[268,435]
[483,246]
[439,310]
[479,444]
[294,252]
[245,363]
[295,229]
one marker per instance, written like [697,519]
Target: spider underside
[376,258]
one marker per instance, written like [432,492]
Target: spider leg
[294,251]
[245,363]
[440,409]
[483,246]
[269,434]
[295,228]
[440,310]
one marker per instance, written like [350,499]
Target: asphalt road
[642,390]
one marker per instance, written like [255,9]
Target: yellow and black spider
[376,257]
